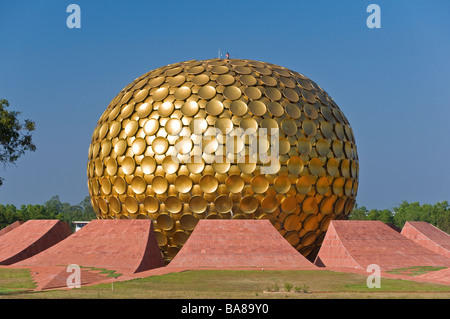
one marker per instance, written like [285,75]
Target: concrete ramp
[357,244]
[23,240]
[126,245]
[10,227]
[428,236]
[224,244]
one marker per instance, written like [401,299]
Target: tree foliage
[437,214]
[15,137]
[52,209]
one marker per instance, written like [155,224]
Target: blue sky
[392,83]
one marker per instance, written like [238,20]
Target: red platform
[238,244]
[30,238]
[127,246]
[10,227]
[428,236]
[357,244]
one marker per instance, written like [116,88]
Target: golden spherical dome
[224,138]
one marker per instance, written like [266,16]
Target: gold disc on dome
[322,147]
[159,184]
[196,164]
[148,165]
[248,123]
[138,146]
[232,93]
[282,184]
[259,184]
[225,79]
[156,81]
[219,69]
[221,165]
[248,204]
[257,108]
[309,127]
[188,222]
[128,165]
[303,184]
[151,126]
[253,93]
[309,205]
[111,166]
[291,222]
[170,164]
[208,184]
[214,107]
[160,94]
[173,204]
[242,70]
[173,126]
[234,183]
[295,165]
[198,204]
[248,80]
[269,203]
[165,222]
[289,205]
[138,185]
[182,93]
[115,204]
[291,95]
[200,79]
[315,166]
[289,127]
[238,108]
[131,204]
[189,108]
[275,109]
[120,185]
[273,94]
[141,95]
[165,109]
[224,125]
[195,69]
[322,185]
[160,145]
[183,183]
[151,204]
[177,80]
[206,92]
[268,80]
[131,128]
[223,204]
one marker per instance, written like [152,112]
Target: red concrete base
[238,243]
[357,244]
[30,238]
[127,246]
[428,236]
[10,227]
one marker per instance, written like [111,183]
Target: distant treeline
[52,209]
[437,215]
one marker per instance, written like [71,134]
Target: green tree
[15,137]
[358,213]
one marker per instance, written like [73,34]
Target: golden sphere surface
[224,138]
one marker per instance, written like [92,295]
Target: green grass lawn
[233,284]
[14,281]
